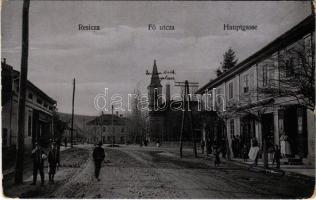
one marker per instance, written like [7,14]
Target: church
[164,122]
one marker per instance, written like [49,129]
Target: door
[268,129]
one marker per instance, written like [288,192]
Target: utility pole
[184,113]
[22,94]
[112,129]
[72,115]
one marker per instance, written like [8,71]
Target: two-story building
[38,112]
[247,108]
[111,128]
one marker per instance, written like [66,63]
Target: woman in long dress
[285,146]
[253,152]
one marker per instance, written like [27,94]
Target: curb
[279,172]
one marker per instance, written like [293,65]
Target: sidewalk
[292,170]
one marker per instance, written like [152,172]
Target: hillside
[79,120]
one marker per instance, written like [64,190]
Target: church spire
[155,80]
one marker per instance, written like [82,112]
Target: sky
[117,56]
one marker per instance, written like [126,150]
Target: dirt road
[156,173]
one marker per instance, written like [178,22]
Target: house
[111,128]
[250,113]
[38,112]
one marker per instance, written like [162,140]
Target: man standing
[98,157]
[202,146]
[38,156]
[53,162]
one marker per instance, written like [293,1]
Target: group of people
[39,156]
[255,151]
[239,150]
[216,147]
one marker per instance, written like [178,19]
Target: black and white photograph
[158,99]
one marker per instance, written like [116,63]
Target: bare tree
[295,69]
[137,119]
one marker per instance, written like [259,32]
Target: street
[150,172]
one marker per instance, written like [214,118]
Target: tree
[218,72]
[229,61]
[296,71]
[136,122]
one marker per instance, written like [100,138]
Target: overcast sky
[117,56]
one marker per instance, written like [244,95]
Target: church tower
[156,117]
[154,88]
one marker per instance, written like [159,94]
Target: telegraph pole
[184,114]
[112,129]
[22,94]
[72,115]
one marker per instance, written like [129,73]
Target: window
[289,68]
[232,128]
[29,126]
[246,83]
[39,101]
[230,90]
[30,96]
[109,138]
[122,139]
[104,128]
[265,75]
[307,41]
[122,130]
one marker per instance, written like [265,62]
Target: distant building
[279,117]
[101,128]
[38,112]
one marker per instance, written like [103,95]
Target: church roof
[155,80]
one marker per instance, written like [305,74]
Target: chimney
[4,61]
[167,92]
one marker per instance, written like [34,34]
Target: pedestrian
[38,156]
[254,152]
[216,151]
[53,162]
[202,146]
[65,141]
[98,157]
[245,153]
[239,146]
[277,156]
[158,143]
[224,150]
[234,146]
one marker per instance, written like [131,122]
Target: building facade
[102,129]
[251,112]
[38,114]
